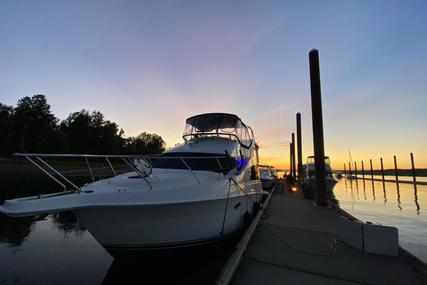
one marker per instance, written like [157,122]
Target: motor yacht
[199,191]
[308,179]
[267,178]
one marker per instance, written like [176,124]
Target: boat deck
[292,245]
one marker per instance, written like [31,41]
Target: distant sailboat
[350,176]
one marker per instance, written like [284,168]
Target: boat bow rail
[142,165]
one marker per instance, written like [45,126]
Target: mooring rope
[287,243]
[226,209]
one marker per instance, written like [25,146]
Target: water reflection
[364,189]
[357,189]
[200,265]
[354,192]
[373,190]
[385,192]
[416,199]
[14,231]
[400,206]
[67,223]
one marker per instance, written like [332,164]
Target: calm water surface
[402,207]
[58,250]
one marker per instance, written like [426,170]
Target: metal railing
[37,160]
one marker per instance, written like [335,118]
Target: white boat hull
[168,225]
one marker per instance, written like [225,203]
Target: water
[58,250]
[403,207]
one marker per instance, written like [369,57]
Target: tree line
[32,127]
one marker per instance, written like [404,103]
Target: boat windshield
[218,124]
[195,161]
[310,160]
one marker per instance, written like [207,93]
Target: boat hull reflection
[199,264]
[165,226]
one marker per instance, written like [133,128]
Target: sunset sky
[147,65]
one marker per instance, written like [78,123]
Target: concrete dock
[295,242]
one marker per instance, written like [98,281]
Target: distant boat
[349,176]
[267,178]
[338,175]
[308,180]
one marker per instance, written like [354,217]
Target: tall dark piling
[363,171]
[396,174]
[294,168]
[355,169]
[290,161]
[299,145]
[355,174]
[363,179]
[345,170]
[349,168]
[414,176]
[372,178]
[382,169]
[317,120]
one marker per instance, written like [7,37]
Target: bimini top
[218,124]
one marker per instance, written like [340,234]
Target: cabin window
[203,162]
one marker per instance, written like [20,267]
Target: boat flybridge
[199,191]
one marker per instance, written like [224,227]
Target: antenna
[349,154]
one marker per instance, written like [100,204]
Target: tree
[33,125]
[5,120]
[90,133]
[145,144]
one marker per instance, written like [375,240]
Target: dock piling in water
[355,169]
[414,177]
[345,170]
[395,172]
[317,120]
[363,171]
[382,168]
[299,145]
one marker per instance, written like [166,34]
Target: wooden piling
[355,169]
[294,168]
[382,168]
[395,171]
[349,168]
[345,170]
[414,176]
[372,179]
[290,161]
[317,120]
[299,146]
[363,171]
